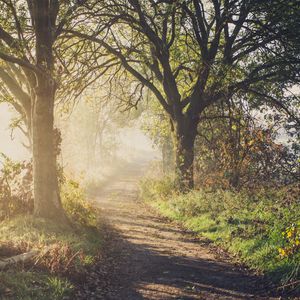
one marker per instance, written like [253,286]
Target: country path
[147,257]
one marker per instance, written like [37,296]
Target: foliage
[16,196]
[157,188]
[292,241]
[236,149]
[66,251]
[77,207]
[15,188]
[156,125]
[249,225]
[90,127]
[192,55]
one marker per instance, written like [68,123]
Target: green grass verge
[27,232]
[249,227]
[29,285]
[40,232]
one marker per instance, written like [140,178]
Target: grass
[23,285]
[50,279]
[37,233]
[251,227]
[69,249]
[66,251]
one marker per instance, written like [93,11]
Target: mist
[122,143]
[11,141]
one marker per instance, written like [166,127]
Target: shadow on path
[148,257]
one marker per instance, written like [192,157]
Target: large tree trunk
[184,141]
[47,202]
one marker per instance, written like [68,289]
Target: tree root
[18,258]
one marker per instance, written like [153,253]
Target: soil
[148,257]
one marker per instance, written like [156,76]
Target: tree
[156,125]
[28,33]
[16,94]
[93,127]
[192,54]
[240,147]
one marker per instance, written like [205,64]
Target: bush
[244,152]
[15,188]
[16,196]
[77,207]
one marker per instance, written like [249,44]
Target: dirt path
[147,257]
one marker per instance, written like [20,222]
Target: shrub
[77,207]
[243,152]
[151,189]
[15,188]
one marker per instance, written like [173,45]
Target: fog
[11,143]
[98,139]
[121,142]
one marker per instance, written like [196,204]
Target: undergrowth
[66,250]
[261,229]
[21,285]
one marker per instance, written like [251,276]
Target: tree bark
[234,179]
[184,140]
[47,202]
